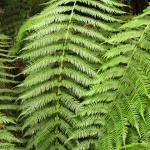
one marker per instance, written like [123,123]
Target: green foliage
[84,76]
[7,99]
[125,77]
[62,51]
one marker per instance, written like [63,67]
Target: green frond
[102,97]
[126,119]
[116,61]
[4,119]
[137,146]
[119,50]
[115,107]
[91,120]
[135,23]
[63,49]
[7,97]
[111,73]
[104,87]
[125,36]
[84,72]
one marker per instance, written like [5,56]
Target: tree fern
[84,79]
[62,51]
[86,132]
[115,107]
[126,122]
[7,139]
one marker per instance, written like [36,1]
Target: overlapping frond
[91,111]
[129,64]
[7,99]
[117,103]
[63,49]
[84,79]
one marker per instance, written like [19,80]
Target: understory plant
[120,94]
[8,141]
[83,68]
[63,49]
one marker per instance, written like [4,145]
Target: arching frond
[90,113]
[126,119]
[62,49]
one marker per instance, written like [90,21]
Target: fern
[7,98]
[91,117]
[114,109]
[128,63]
[62,50]
[85,76]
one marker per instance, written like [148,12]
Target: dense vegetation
[74,74]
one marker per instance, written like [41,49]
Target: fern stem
[67,35]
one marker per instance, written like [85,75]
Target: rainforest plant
[84,76]
[66,63]
[121,91]
[7,99]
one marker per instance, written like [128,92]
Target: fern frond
[62,48]
[7,99]
[127,120]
